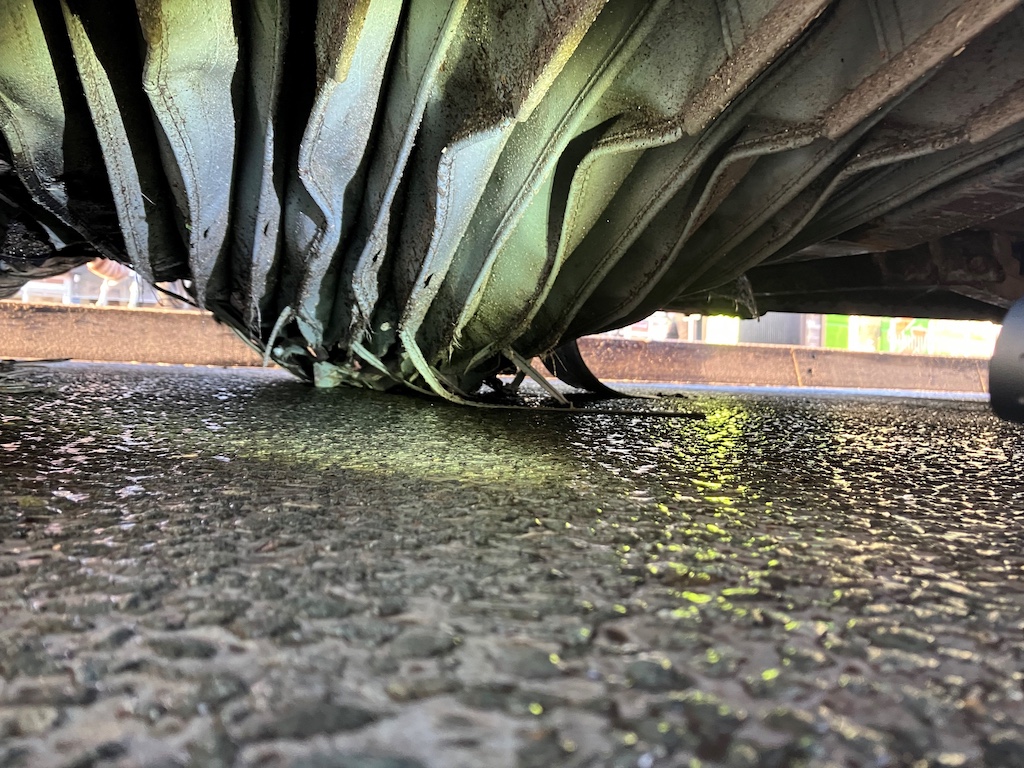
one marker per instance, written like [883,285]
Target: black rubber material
[567,364]
[1006,370]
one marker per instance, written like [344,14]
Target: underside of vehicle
[428,193]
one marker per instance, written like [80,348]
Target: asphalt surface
[227,568]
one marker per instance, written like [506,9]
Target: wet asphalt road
[227,568]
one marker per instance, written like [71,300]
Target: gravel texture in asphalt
[228,568]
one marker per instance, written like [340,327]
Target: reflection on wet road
[228,568]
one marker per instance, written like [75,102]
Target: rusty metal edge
[195,338]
